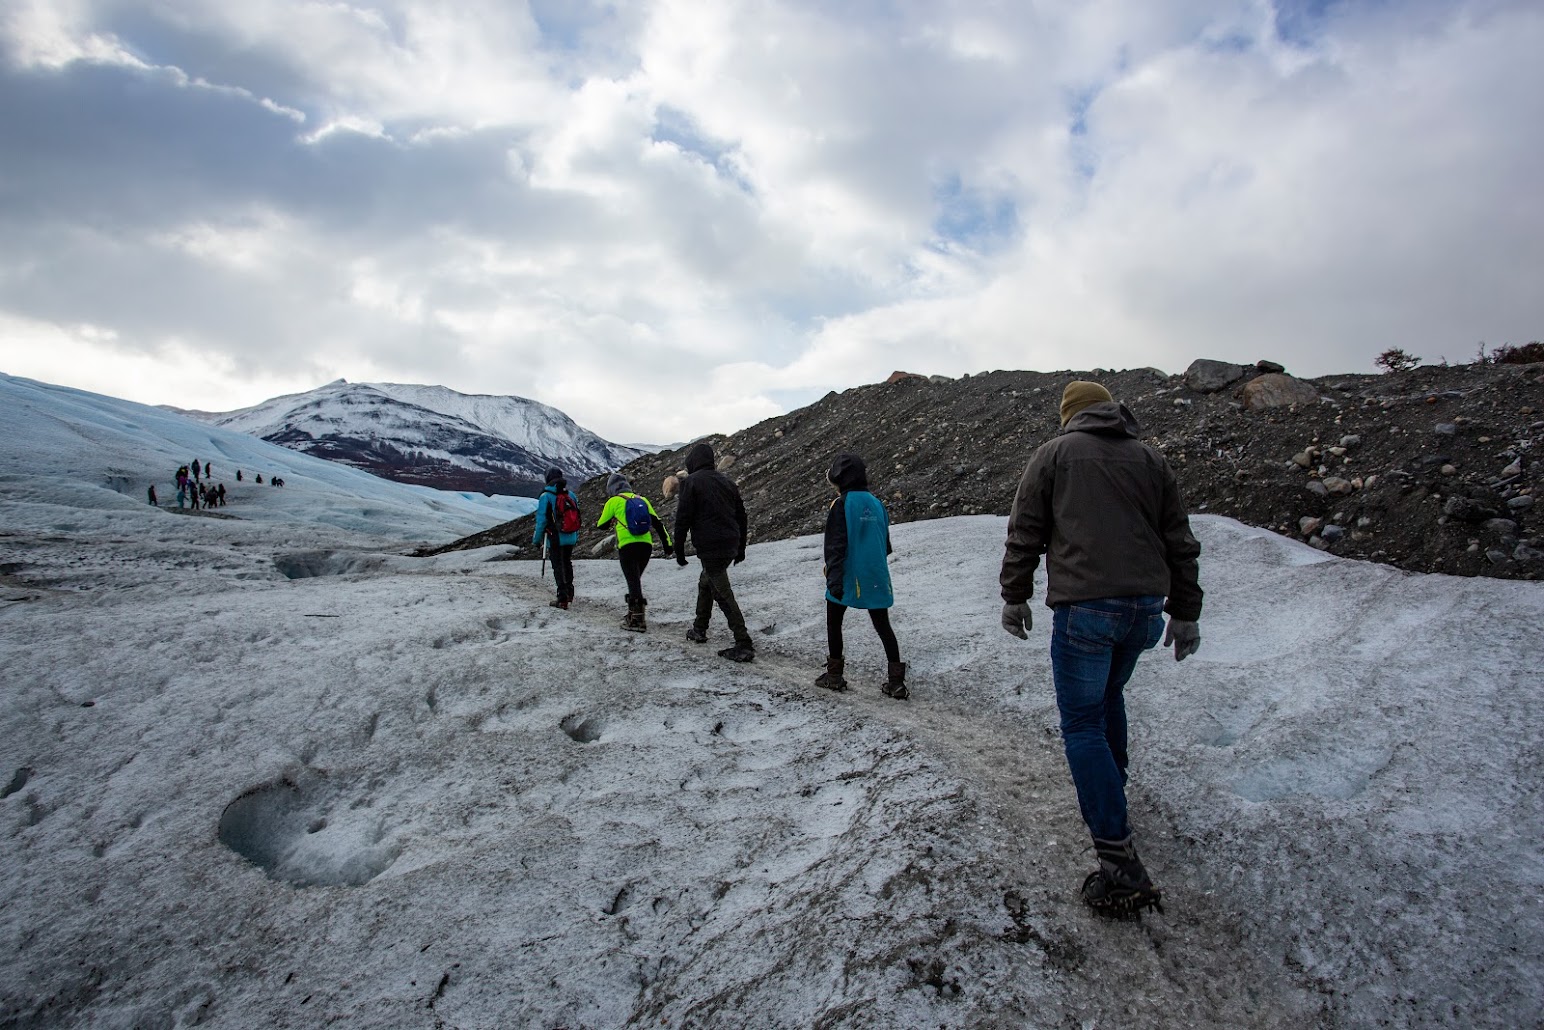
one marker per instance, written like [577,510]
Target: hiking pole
[543,557]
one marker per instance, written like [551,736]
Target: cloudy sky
[675,217]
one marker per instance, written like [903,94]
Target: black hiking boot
[697,636]
[1120,886]
[739,653]
[895,683]
[633,620]
[832,679]
[559,603]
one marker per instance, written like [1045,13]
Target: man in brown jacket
[1106,511]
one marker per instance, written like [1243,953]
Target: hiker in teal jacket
[857,549]
[560,546]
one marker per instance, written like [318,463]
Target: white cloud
[180,373]
[660,217]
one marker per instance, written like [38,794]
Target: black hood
[1110,417]
[698,458]
[848,473]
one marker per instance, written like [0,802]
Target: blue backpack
[636,512]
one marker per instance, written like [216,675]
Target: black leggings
[562,556]
[880,617]
[635,558]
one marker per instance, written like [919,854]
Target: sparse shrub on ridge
[1527,354]
[1395,359]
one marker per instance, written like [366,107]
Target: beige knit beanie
[1079,395]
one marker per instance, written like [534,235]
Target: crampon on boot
[895,683]
[633,620]
[832,679]
[1120,887]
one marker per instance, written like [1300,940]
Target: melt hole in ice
[17,782]
[306,834]
[311,564]
[585,731]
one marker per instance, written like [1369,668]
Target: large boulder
[1277,390]
[1207,376]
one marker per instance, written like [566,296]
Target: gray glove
[1185,636]
[1017,620]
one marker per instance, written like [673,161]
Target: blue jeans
[1094,649]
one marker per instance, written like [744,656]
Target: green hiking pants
[713,585]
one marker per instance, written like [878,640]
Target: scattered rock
[1522,502]
[1207,376]
[1332,533]
[1470,509]
[1276,390]
[1500,527]
[1337,486]
[1269,367]
[1445,429]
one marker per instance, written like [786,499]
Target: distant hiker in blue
[858,572]
[557,520]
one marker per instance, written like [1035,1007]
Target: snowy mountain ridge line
[432,435]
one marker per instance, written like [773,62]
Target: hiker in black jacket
[710,509]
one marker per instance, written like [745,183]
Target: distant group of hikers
[1101,506]
[196,487]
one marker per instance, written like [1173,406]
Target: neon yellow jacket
[616,511]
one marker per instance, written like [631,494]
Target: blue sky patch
[1301,22]
[676,127]
[971,217]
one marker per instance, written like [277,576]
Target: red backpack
[565,512]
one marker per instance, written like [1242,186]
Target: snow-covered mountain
[105,453]
[431,435]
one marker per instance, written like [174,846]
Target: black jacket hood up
[698,458]
[848,472]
